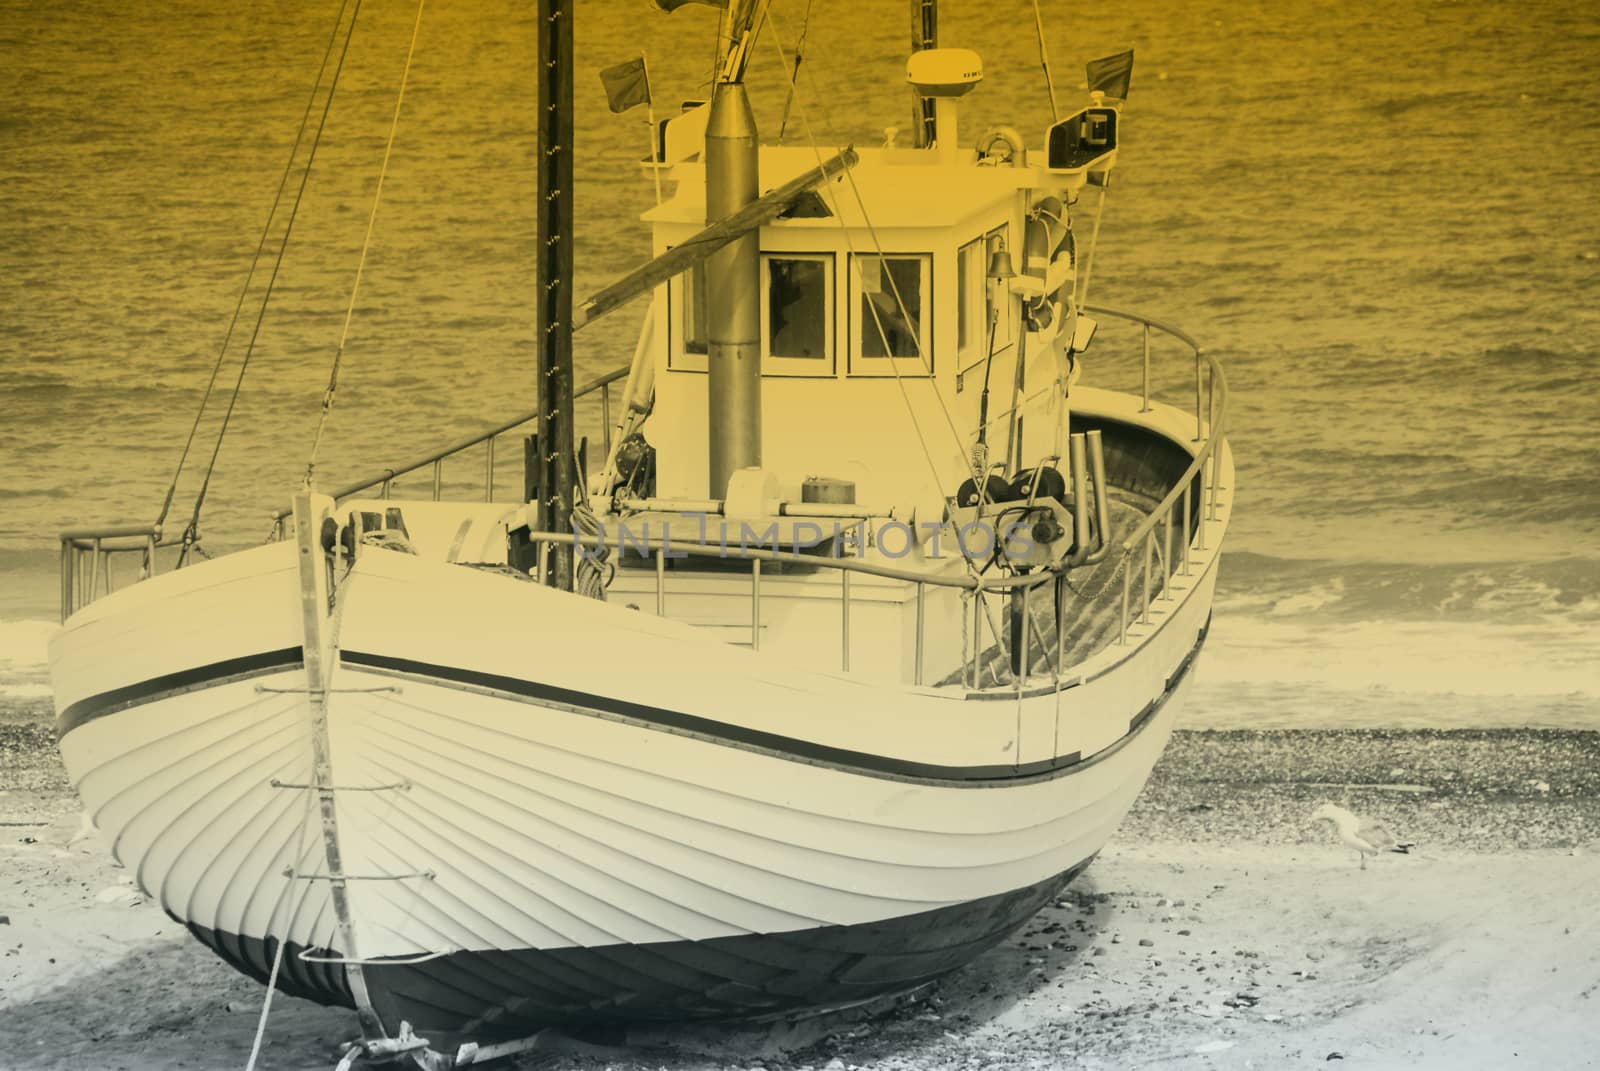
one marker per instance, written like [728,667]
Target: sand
[1220,929]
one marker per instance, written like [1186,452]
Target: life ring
[1013,142]
[1049,263]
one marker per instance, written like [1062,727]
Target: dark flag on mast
[626,84]
[1111,75]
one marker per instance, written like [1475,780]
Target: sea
[1379,216]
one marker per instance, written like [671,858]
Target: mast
[924,34]
[556,459]
[733,273]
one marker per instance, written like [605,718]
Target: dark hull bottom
[488,995]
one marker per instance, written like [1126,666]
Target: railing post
[1027,621]
[438,478]
[1122,631]
[150,548]
[1216,477]
[383,493]
[978,634]
[844,623]
[1166,557]
[94,571]
[1145,406]
[661,581]
[1187,488]
[916,669]
[488,470]
[755,604]
[1199,412]
[66,579]
[1144,614]
[605,415]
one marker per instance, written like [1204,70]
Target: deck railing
[1154,558]
[1142,552]
[87,554]
[1195,490]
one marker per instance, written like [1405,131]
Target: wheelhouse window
[797,313]
[889,298]
[686,319]
[978,299]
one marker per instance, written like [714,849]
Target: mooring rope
[361,264]
[191,532]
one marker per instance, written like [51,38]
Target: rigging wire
[255,260]
[1044,61]
[794,74]
[900,305]
[361,264]
[191,532]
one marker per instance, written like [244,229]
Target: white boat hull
[514,796]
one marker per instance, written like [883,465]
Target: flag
[1112,74]
[626,84]
[673,5]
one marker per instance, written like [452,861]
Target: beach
[1408,606]
[1221,928]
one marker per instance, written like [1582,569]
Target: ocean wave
[1412,657]
[1559,591]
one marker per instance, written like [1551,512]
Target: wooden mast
[555,460]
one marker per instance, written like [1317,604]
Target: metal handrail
[1210,421]
[437,456]
[1210,417]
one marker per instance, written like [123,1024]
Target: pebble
[1145,942]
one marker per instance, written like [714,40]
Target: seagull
[1365,837]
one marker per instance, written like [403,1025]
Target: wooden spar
[757,213]
[556,458]
[924,34]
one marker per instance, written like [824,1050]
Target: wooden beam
[757,213]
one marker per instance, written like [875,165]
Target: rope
[794,75]
[594,571]
[255,260]
[283,941]
[191,532]
[361,264]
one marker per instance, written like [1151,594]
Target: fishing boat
[854,643]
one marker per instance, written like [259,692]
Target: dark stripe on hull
[170,684]
[489,995]
[788,747]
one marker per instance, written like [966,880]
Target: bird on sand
[1367,838]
